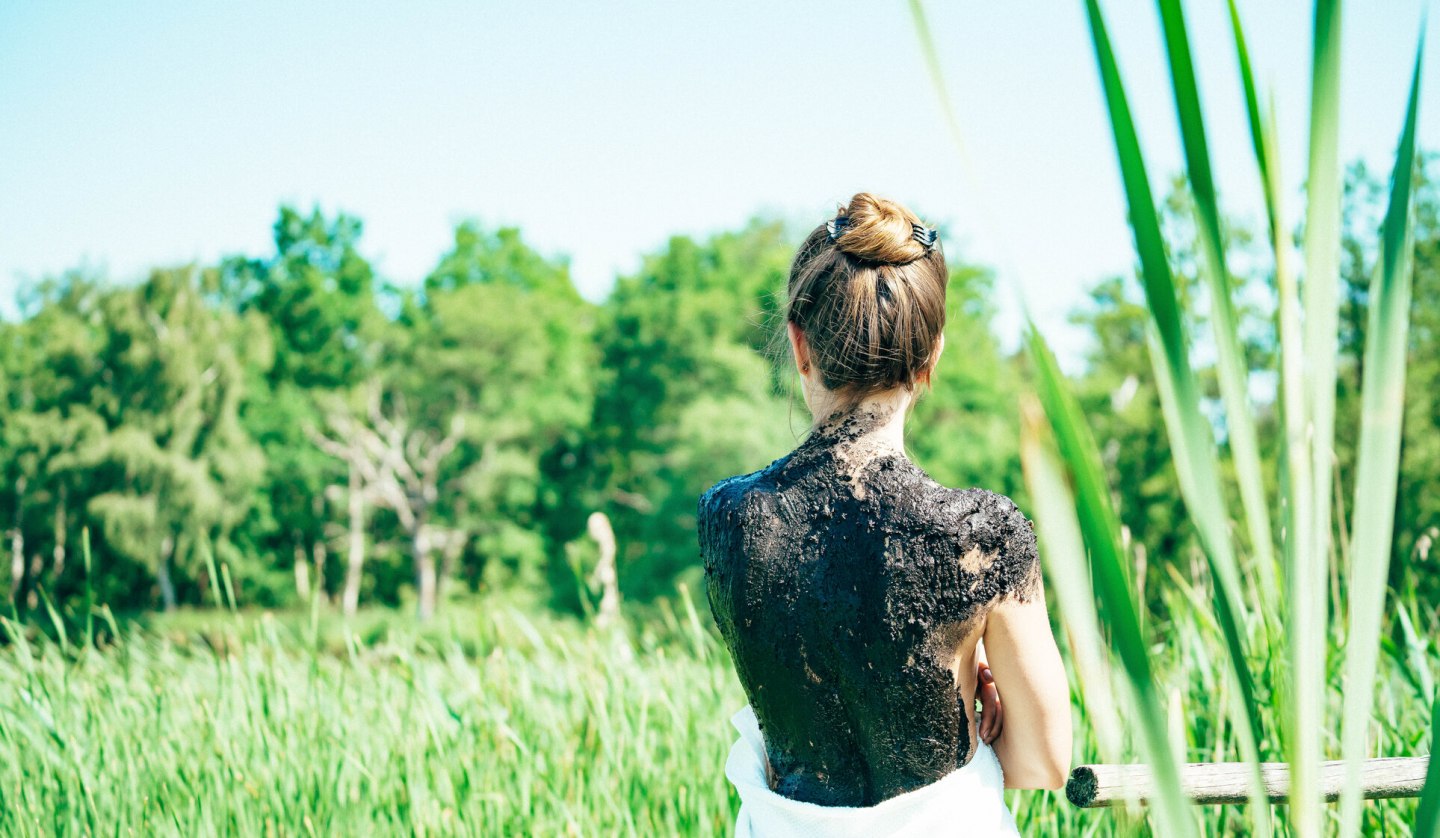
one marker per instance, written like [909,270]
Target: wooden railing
[1229,782]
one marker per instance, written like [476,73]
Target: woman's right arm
[1034,744]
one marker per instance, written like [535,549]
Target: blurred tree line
[293,427]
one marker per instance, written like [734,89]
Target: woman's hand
[992,714]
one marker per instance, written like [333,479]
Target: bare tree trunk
[17,565]
[302,573]
[452,546]
[37,567]
[319,556]
[605,576]
[397,467]
[355,561]
[319,548]
[17,547]
[57,556]
[425,578]
[167,587]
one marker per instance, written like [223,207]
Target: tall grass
[502,724]
[496,720]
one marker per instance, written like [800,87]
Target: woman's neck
[875,424]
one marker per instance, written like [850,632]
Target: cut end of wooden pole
[1082,787]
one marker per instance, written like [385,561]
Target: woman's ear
[799,348]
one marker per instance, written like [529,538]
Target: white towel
[968,801]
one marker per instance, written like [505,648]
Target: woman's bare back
[851,590]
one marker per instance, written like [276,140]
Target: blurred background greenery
[274,414]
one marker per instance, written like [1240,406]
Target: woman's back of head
[867,289]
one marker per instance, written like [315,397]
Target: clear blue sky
[139,134]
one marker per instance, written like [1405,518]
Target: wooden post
[302,573]
[355,542]
[598,525]
[1227,782]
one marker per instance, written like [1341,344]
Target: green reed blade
[1296,485]
[1263,140]
[55,620]
[1101,532]
[211,572]
[1191,437]
[1263,150]
[1233,374]
[89,589]
[1309,625]
[1304,558]
[937,77]
[1231,365]
[1427,815]
[1377,463]
[1416,666]
[1062,551]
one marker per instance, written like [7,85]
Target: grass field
[494,720]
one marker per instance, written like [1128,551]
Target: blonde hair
[871,299]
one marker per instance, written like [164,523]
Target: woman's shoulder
[987,508]
[731,494]
[971,507]
[733,511]
[991,536]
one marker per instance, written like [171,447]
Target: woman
[858,597]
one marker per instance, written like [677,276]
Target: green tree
[497,344]
[49,371]
[688,391]
[965,432]
[318,295]
[174,474]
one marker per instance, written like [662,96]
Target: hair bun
[879,230]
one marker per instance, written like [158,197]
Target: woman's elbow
[1044,771]
[1034,781]
[1044,765]
[1059,746]
[1055,771]
[1042,775]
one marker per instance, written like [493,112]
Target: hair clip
[925,235]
